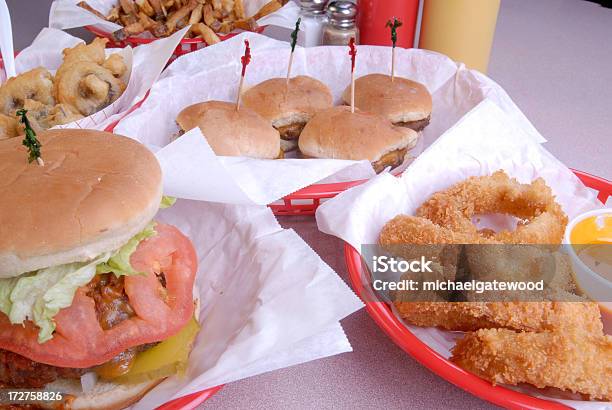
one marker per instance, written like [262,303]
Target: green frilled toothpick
[294,37]
[30,141]
[393,24]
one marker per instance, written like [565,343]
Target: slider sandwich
[232,132]
[404,102]
[337,133]
[96,298]
[288,107]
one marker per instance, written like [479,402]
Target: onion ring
[9,127]
[88,87]
[36,84]
[542,221]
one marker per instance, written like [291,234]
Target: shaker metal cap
[342,13]
[313,6]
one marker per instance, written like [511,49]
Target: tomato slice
[80,342]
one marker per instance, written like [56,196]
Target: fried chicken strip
[574,361]
[521,316]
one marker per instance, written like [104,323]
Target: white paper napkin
[267,300]
[145,63]
[212,74]
[484,141]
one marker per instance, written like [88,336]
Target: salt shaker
[313,21]
[341,25]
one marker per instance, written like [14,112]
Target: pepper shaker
[340,27]
[313,21]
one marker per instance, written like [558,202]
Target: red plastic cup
[374,14]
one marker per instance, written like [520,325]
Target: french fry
[226,27]
[128,7]
[84,5]
[196,14]
[183,12]
[163,17]
[227,6]
[207,34]
[113,14]
[246,24]
[145,7]
[239,10]
[207,15]
[127,19]
[267,8]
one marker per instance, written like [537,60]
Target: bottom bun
[103,396]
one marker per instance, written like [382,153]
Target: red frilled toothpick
[245,59]
[353,54]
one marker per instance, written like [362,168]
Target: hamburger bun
[288,107]
[339,134]
[110,185]
[103,396]
[404,102]
[232,133]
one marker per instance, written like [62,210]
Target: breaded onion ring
[36,84]
[9,127]
[88,87]
[93,52]
[541,219]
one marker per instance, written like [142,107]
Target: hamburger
[94,294]
[404,102]
[229,132]
[288,107]
[340,134]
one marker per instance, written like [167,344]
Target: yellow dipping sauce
[592,240]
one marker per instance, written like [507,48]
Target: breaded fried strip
[580,363]
[521,316]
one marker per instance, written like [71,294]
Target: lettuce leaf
[119,263]
[40,295]
[167,201]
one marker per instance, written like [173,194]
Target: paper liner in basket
[267,301]
[212,74]
[66,14]
[144,64]
[482,142]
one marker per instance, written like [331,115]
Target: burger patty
[20,372]
[418,125]
[112,308]
[291,131]
[390,159]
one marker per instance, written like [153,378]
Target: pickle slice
[165,359]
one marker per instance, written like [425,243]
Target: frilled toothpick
[245,59]
[393,24]
[30,141]
[353,54]
[294,37]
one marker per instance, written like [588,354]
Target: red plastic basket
[187,45]
[404,338]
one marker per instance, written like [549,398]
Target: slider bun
[402,100]
[94,193]
[282,105]
[337,133]
[232,133]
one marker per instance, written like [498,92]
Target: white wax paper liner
[267,300]
[145,64]
[65,14]
[482,142]
[212,74]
